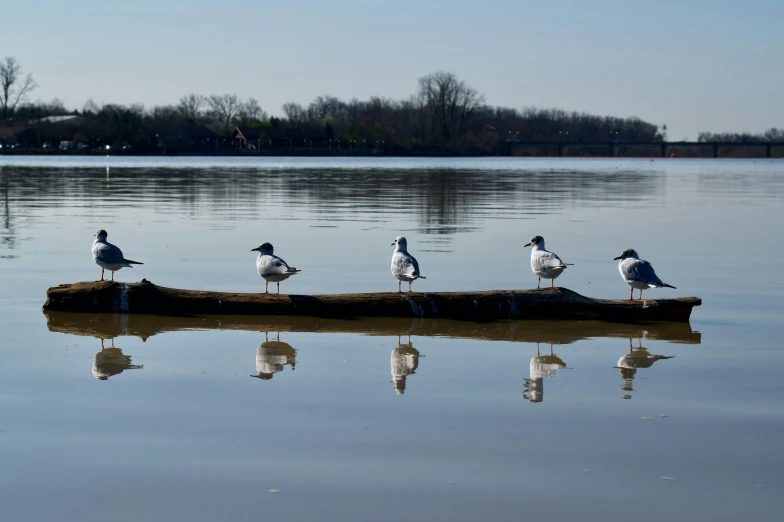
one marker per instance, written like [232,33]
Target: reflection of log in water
[272,356]
[553,332]
[541,366]
[634,360]
[404,362]
[548,303]
[111,361]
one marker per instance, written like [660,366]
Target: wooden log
[110,326]
[548,303]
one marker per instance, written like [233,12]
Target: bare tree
[250,111]
[224,108]
[14,88]
[324,107]
[90,107]
[190,106]
[449,103]
[295,113]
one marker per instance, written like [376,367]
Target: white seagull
[404,265]
[638,273]
[543,263]
[271,267]
[108,256]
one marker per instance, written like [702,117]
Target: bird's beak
[529,244]
[617,258]
[392,244]
[254,249]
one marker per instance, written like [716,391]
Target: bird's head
[629,252]
[265,249]
[536,241]
[400,241]
[101,234]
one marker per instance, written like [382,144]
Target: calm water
[199,419]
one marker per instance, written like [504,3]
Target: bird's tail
[663,284]
[133,262]
[421,277]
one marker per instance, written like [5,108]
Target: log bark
[546,303]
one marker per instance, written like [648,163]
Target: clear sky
[694,65]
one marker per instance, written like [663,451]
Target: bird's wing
[273,265]
[414,265]
[279,263]
[108,253]
[548,260]
[405,264]
[640,270]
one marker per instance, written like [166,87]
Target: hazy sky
[694,65]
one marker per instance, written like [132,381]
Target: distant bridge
[662,149]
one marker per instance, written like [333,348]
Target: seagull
[271,267]
[272,356]
[112,361]
[634,360]
[638,273]
[108,256]
[404,265]
[404,362]
[540,367]
[543,263]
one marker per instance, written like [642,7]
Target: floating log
[546,303]
[110,326]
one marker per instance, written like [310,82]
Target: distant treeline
[444,115]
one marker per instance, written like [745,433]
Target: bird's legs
[552,283]
[399,291]
[112,276]
[278,286]
[101,279]
[409,287]
[266,287]
[631,294]
[538,282]
[640,294]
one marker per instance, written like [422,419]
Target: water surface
[132,417]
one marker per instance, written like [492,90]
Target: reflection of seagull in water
[111,361]
[272,356]
[632,361]
[545,263]
[638,273]
[271,267]
[404,362]
[108,256]
[541,366]
[404,265]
